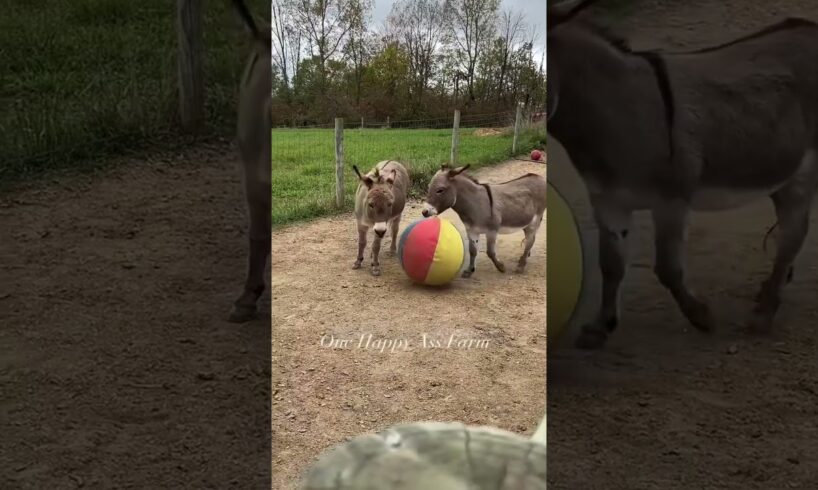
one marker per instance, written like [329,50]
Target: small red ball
[536,155]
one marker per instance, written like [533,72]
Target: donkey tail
[767,235]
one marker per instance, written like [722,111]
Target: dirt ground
[488,131]
[117,367]
[324,395]
[664,406]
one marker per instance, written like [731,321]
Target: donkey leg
[613,221]
[376,252]
[530,235]
[670,224]
[790,276]
[258,200]
[792,209]
[362,230]
[473,237]
[491,241]
[394,225]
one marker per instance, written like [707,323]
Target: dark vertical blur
[662,405]
[122,248]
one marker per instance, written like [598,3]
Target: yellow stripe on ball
[448,255]
[564,273]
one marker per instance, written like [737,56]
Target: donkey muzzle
[428,210]
[380,229]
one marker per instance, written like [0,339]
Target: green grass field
[82,79]
[304,162]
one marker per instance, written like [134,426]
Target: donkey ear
[390,179]
[457,171]
[444,166]
[365,179]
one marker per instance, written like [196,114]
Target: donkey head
[379,197]
[581,52]
[442,193]
[559,12]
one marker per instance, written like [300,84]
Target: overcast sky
[533,10]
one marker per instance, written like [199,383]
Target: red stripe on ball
[419,249]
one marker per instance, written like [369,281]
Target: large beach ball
[431,251]
[565,268]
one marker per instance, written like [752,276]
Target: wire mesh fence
[88,92]
[304,158]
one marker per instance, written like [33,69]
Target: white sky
[533,10]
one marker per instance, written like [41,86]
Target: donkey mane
[555,19]
[524,176]
[464,174]
[654,57]
[529,174]
[446,167]
[621,43]
[483,185]
[605,32]
[786,24]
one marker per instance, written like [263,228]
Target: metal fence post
[339,162]
[455,138]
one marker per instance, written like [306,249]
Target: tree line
[428,58]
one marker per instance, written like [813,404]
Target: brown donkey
[380,199]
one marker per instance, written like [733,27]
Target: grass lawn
[82,79]
[304,162]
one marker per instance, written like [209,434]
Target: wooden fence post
[189,64]
[517,122]
[339,162]
[387,122]
[455,138]
[362,122]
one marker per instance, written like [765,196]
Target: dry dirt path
[321,396]
[118,368]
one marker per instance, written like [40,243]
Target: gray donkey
[489,209]
[674,132]
[254,127]
[380,199]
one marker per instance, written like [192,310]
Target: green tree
[472,26]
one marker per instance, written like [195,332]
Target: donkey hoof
[242,313]
[591,338]
[467,273]
[701,317]
[500,267]
[357,264]
[520,269]
[760,322]
[392,252]
[376,271]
